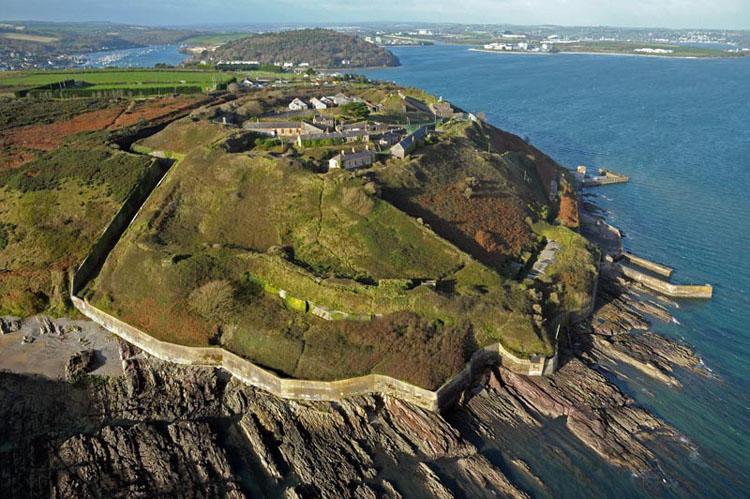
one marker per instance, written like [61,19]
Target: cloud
[667,13]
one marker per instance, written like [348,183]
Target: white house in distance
[317,103]
[298,104]
[341,99]
[351,160]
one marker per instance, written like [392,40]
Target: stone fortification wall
[254,375]
[101,248]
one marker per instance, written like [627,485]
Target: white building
[298,105]
[317,103]
[352,160]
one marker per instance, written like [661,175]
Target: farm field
[111,79]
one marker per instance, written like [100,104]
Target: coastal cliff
[122,434]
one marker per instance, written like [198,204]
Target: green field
[114,79]
[51,211]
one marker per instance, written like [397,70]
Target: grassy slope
[574,270]
[52,209]
[216,213]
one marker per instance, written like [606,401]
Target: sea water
[680,128]
[139,57]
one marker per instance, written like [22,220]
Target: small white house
[351,160]
[341,99]
[317,103]
[298,105]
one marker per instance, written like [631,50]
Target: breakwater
[657,268]
[703,291]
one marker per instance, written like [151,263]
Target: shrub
[214,300]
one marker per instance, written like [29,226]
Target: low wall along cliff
[249,373]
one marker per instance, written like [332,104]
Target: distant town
[35,45]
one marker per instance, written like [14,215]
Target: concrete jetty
[603,177]
[701,291]
[654,267]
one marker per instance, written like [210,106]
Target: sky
[720,14]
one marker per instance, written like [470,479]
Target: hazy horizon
[670,14]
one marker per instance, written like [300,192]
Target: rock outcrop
[79,364]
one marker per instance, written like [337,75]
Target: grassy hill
[80,37]
[205,259]
[403,269]
[320,48]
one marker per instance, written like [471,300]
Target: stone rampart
[104,244]
[251,374]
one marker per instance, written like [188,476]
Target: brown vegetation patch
[546,168]
[490,228]
[151,109]
[13,157]
[49,136]
[568,215]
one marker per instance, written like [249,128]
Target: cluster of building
[325,102]
[522,46]
[363,140]
[386,139]
[256,64]
[648,50]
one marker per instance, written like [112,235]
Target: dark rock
[79,364]
[9,325]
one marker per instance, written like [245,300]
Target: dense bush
[214,301]
[119,171]
[317,47]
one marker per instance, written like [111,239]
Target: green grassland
[113,79]
[52,210]
[203,263]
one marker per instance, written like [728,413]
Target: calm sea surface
[142,57]
[681,129]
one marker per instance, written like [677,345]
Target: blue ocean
[680,128]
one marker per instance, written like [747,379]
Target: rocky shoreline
[139,426]
[191,431]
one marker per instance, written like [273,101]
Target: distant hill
[320,48]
